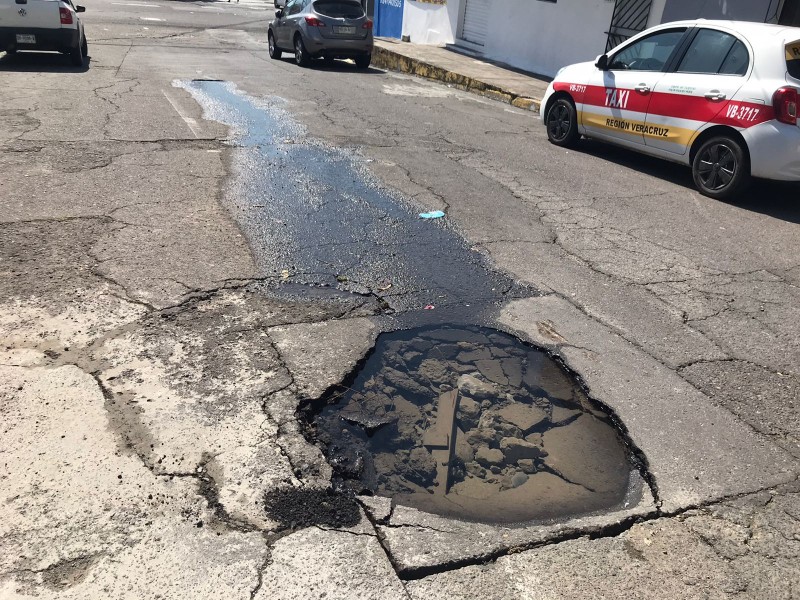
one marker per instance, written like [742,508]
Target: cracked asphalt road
[150,369]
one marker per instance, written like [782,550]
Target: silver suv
[327,29]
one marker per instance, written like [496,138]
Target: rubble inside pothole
[471,423]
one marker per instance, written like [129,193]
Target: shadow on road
[337,65]
[41,62]
[776,199]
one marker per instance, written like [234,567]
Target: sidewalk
[460,70]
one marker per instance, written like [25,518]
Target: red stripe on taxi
[681,106]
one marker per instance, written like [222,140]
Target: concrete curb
[393,61]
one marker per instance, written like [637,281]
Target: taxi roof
[751,30]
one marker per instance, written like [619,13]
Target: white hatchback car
[720,96]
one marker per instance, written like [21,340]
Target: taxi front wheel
[721,168]
[562,123]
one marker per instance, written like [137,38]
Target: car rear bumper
[320,46]
[46,39]
[774,150]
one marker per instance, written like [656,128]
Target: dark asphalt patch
[296,508]
[314,215]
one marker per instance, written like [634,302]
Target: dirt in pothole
[470,423]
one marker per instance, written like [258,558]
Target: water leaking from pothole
[470,423]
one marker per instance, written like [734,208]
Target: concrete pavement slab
[739,549]
[696,451]
[330,564]
[81,517]
[421,543]
[320,354]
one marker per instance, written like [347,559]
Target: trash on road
[429,307]
[434,214]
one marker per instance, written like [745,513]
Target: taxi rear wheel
[562,123]
[721,168]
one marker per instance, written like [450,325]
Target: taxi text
[650,130]
[617,98]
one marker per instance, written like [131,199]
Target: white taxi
[720,96]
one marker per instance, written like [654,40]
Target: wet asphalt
[314,216]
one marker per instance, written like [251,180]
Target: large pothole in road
[470,423]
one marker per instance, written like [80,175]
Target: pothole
[470,423]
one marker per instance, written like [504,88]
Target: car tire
[328,61]
[300,53]
[562,123]
[362,62]
[721,168]
[274,52]
[76,55]
[85,47]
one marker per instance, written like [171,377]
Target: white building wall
[656,12]
[432,24]
[542,37]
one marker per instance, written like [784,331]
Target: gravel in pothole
[471,423]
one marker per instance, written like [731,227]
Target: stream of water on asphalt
[456,420]
[314,213]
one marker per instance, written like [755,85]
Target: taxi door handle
[715,95]
[642,88]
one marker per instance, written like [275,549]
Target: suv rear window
[793,59]
[339,9]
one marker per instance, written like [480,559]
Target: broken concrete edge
[672,495]
[418,564]
[387,59]
[422,558]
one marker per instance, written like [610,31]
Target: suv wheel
[362,62]
[274,51]
[300,54]
[720,168]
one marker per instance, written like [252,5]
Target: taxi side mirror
[279,3]
[278,13]
[79,8]
[602,62]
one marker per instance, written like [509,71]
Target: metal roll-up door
[476,18]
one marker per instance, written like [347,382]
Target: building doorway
[474,22]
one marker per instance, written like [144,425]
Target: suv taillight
[314,22]
[66,16]
[785,103]
[367,24]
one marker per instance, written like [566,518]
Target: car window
[649,53]
[294,7]
[339,9]
[793,59]
[713,51]
[737,61]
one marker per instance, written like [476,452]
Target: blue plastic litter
[434,214]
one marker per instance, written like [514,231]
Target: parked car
[326,29]
[43,25]
[719,96]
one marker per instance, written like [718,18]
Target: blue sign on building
[389,18]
